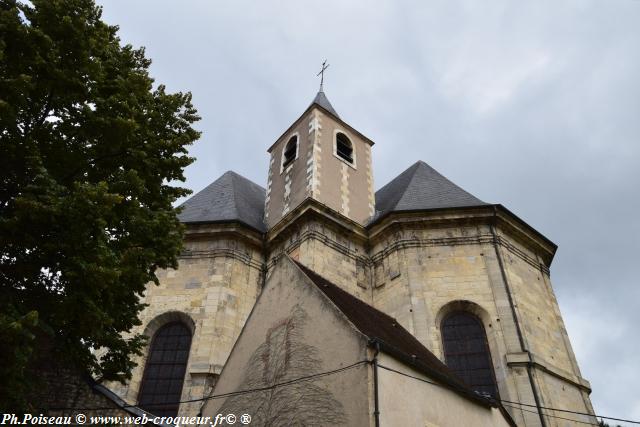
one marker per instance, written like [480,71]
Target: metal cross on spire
[321,73]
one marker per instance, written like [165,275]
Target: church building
[321,301]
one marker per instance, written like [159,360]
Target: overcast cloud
[535,105]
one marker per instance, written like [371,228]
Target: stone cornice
[224,252]
[398,223]
[235,229]
[311,208]
[535,360]
[505,220]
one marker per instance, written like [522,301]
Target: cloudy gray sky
[535,105]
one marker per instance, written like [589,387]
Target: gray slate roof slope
[322,100]
[231,197]
[419,188]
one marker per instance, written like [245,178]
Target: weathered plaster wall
[409,402]
[294,331]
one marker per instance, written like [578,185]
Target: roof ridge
[421,165]
[421,187]
[231,197]
[397,195]
[234,190]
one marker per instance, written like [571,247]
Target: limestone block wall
[329,251]
[213,292]
[423,273]
[544,333]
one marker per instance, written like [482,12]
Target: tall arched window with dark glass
[467,353]
[164,373]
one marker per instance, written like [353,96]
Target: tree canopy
[89,147]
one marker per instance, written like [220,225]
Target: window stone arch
[465,345]
[290,151]
[166,363]
[344,148]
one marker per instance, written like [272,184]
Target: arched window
[290,151]
[344,147]
[164,373]
[466,351]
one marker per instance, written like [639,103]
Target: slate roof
[231,197]
[392,337]
[421,187]
[322,100]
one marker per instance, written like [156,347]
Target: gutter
[376,404]
[523,346]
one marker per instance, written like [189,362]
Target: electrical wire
[230,394]
[509,403]
[549,415]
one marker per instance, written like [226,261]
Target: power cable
[549,415]
[348,367]
[230,394]
[517,403]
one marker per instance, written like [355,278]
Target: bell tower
[321,157]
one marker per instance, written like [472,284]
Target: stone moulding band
[223,252]
[407,243]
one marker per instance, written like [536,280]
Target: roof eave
[225,221]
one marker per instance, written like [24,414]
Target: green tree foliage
[88,148]
[601,423]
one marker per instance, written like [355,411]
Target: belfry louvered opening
[290,151]
[344,147]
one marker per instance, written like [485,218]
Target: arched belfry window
[290,151]
[467,353]
[164,372]
[344,147]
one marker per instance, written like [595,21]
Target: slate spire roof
[231,197]
[421,187]
[322,100]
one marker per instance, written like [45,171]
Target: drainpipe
[376,405]
[534,388]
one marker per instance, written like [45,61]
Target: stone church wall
[328,251]
[543,330]
[423,273]
[213,292]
